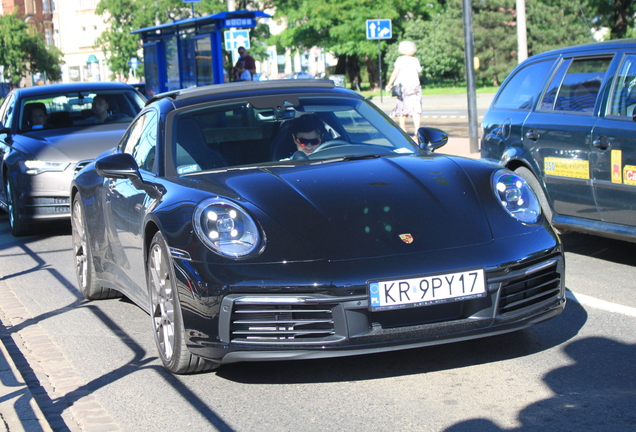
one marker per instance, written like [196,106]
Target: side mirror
[4,130]
[431,139]
[118,165]
[124,166]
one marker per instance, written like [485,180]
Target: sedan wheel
[84,266]
[165,312]
[18,226]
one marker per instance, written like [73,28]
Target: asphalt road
[96,366]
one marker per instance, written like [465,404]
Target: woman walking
[406,72]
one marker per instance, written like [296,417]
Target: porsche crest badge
[406,238]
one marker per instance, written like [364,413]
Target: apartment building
[73,27]
[77,28]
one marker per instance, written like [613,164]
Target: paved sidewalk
[19,411]
[29,400]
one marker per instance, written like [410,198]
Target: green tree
[495,36]
[22,52]
[617,15]
[339,26]
[550,24]
[555,24]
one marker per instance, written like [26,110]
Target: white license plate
[427,290]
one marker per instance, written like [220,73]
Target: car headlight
[516,197]
[227,229]
[35,167]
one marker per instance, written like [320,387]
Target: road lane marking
[595,303]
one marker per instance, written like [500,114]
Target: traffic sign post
[379,29]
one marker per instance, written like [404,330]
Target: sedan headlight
[35,167]
[226,228]
[516,196]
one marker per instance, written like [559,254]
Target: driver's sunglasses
[308,141]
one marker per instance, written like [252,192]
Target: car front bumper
[244,322]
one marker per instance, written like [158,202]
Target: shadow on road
[616,251]
[602,379]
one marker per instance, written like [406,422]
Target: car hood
[74,145]
[364,208]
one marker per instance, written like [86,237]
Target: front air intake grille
[274,323]
[79,166]
[530,286]
[46,205]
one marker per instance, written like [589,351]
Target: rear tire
[165,313]
[19,227]
[533,182]
[84,266]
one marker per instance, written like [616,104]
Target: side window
[6,111]
[142,140]
[623,102]
[524,87]
[576,86]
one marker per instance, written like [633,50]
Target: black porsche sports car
[293,219]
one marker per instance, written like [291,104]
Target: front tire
[19,227]
[165,313]
[533,182]
[84,266]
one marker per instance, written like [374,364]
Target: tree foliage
[339,26]
[617,15]
[550,24]
[22,52]
[555,24]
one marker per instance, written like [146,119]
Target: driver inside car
[307,133]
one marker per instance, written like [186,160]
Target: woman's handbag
[396,91]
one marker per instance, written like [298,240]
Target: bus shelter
[189,52]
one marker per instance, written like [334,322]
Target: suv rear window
[522,89]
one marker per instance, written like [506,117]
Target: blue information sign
[379,29]
[237,38]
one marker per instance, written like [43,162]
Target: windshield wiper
[344,158]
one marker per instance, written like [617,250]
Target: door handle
[532,135]
[601,143]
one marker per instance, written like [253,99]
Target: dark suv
[565,120]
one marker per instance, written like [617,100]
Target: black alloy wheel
[165,313]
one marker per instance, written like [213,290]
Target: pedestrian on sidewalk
[406,72]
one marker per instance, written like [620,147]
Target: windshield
[251,132]
[77,108]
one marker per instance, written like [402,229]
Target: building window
[46,6]
[89,36]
